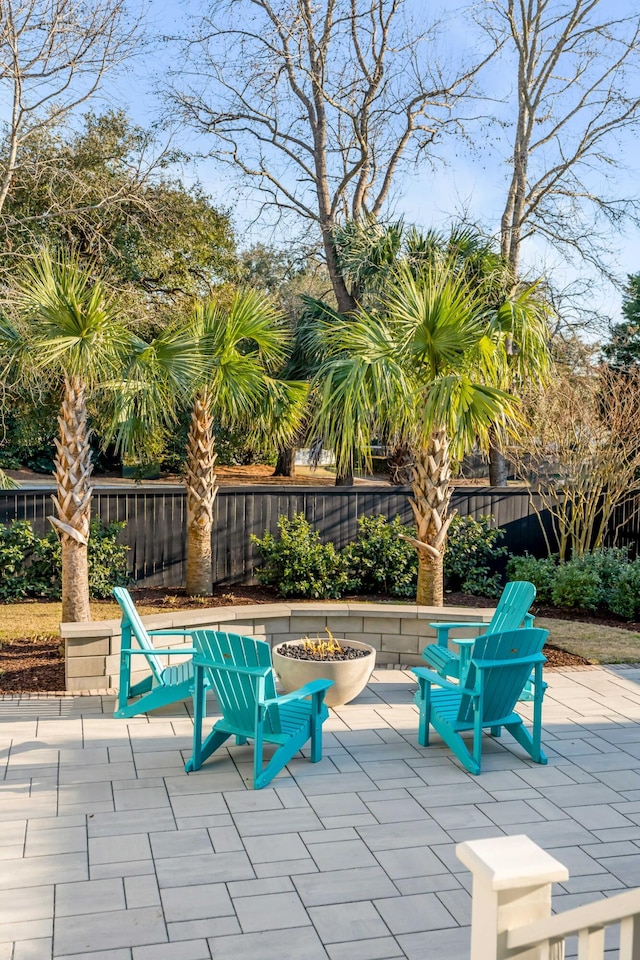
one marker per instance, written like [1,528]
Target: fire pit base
[349,677]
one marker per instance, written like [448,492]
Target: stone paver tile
[198,804]
[344,886]
[454,944]
[359,921]
[26,903]
[184,950]
[510,811]
[409,862]
[577,861]
[180,843]
[26,930]
[548,810]
[142,798]
[104,931]
[35,949]
[587,794]
[130,821]
[441,795]
[35,871]
[542,777]
[197,903]
[204,823]
[281,846]
[285,868]
[225,839]
[394,836]
[66,840]
[626,869]
[463,816]
[458,903]
[89,896]
[270,945]
[141,891]
[552,833]
[250,888]
[116,849]
[271,911]
[276,821]
[337,804]
[95,772]
[598,816]
[12,832]
[341,855]
[597,881]
[121,868]
[382,948]
[198,929]
[319,836]
[393,811]
[411,914]
[336,783]
[203,868]
[432,884]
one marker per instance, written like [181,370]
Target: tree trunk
[200,481]
[432,491]
[400,464]
[498,464]
[344,479]
[72,500]
[430,591]
[286,463]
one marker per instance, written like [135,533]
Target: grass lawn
[595,642]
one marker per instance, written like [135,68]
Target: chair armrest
[152,653]
[232,668]
[170,633]
[437,681]
[489,664]
[315,686]
[445,627]
[528,619]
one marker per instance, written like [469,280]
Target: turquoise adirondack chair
[240,671]
[164,685]
[511,613]
[500,666]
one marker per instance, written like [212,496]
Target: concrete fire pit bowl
[349,677]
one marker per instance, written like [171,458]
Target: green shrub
[298,563]
[380,561]
[587,582]
[540,572]
[472,546]
[30,566]
[624,596]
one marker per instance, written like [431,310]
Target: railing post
[512,879]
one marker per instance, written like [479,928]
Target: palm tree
[425,367]
[70,331]
[240,346]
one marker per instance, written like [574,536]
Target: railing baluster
[591,944]
[630,938]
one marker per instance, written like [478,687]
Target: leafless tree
[53,57]
[580,454]
[576,79]
[318,103]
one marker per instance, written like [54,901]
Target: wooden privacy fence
[155,518]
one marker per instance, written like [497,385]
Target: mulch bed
[34,665]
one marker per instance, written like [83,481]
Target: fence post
[512,879]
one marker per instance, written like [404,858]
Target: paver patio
[109,850]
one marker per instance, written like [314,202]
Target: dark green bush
[472,547]
[624,597]
[298,563]
[30,566]
[380,561]
[587,582]
[540,572]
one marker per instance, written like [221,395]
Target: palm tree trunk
[432,491]
[201,488]
[72,500]
[498,466]
[286,463]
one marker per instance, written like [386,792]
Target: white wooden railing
[511,908]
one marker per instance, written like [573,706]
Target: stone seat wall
[397,631]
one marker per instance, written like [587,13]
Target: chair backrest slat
[517,597]
[133,625]
[237,693]
[503,683]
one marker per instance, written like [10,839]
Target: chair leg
[520,733]
[425,714]
[316,727]
[201,753]
[496,731]
[241,741]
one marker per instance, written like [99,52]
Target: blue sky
[468,179]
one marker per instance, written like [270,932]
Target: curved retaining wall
[397,631]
